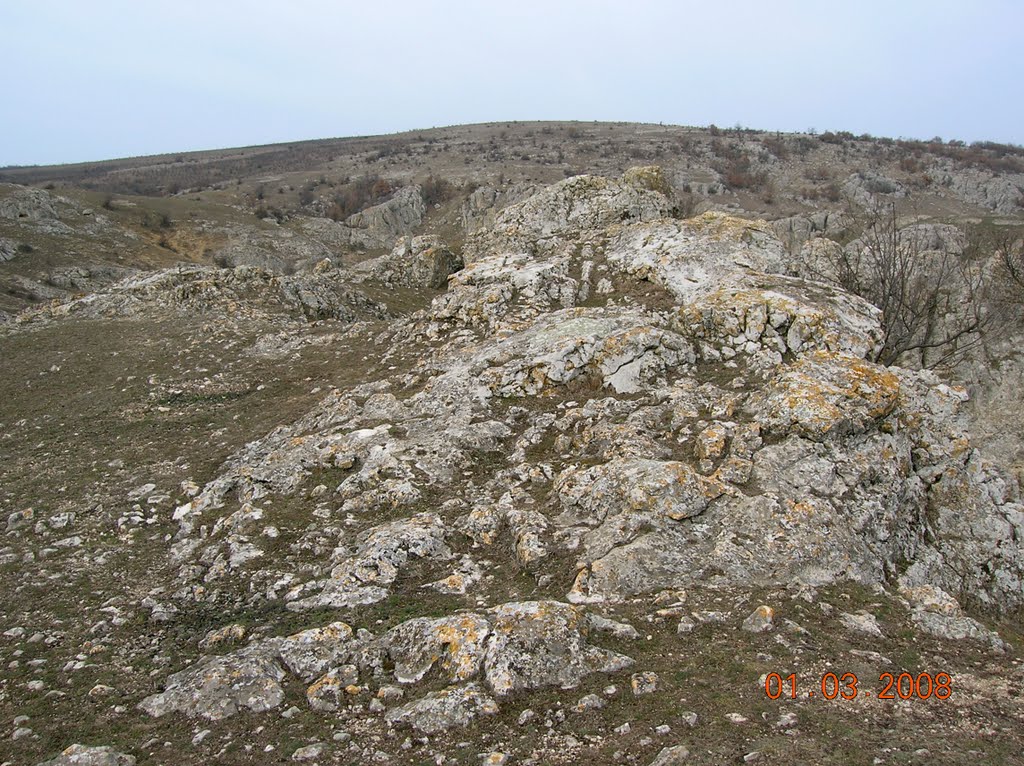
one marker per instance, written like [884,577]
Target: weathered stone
[309,653]
[383,550]
[83,755]
[455,644]
[678,755]
[423,261]
[443,710]
[327,692]
[218,687]
[760,620]
[825,395]
[862,622]
[543,643]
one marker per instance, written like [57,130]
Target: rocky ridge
[613,405]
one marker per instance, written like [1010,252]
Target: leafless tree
[1010,247]
[935,303]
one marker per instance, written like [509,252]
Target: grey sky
[94,80]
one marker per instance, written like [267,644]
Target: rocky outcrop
[27,204]
[563,211]
[515,647]
[240,292]
[999,193]
[380,225]
[219,687]
[418,262]
[738,378]
[375,228]
[445,709]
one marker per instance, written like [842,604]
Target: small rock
[662,730]
[672,756]
[590,702]
[624,729]
[752,757]
[616,629]
[644,683]
[21,732]
[686,625]
[688,717]
[862,622]
[200,736]
[760,620]
[390,693]
[786,721]
[495,759]
[309,752]
[525,717]
[139,492]
[735,718]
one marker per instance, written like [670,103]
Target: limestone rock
[380,225]
[423,261]
[235,292]
[937,613]
[678,755]
[689,258]
[83,755]
[543,643]
[455,644]
[825,395]
[563,210]
[383,550]
[439,711]
[309,653]
[218,687]
[760,620]
[772,316]
[327,692]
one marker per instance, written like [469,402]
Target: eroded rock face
[364,577]
[578,204]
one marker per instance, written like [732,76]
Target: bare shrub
[936,305]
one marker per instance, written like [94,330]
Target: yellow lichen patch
[825,393]
[800,508]
[650,177]
[463,639]
[726,227]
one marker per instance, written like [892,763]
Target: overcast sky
[102,79]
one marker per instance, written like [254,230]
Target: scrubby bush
[355,196]
[437,190]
